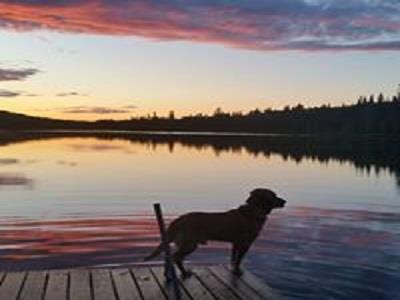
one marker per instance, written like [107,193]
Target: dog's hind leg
[184,250]
[171,235]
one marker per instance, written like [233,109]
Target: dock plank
[125,285]
[57,284]
[196,289]
[80,285]
[234,283]
[102,285]
[216,288]
[259,287]
[148,286]
[34,286]
[168,287]
[12,285]
[141,283]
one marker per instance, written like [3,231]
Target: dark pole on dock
[169,271]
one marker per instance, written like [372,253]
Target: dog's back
[200,227]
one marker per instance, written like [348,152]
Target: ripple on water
[305,254]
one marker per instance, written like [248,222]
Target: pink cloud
[254,24]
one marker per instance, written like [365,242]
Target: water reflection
[9,161]
[97,147]
[10,179]
[366,154]
[67,163]
[355,252]
[339,237]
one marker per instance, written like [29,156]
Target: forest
[369,115]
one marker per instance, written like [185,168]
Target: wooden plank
[148,286]
[168,288]
[34,286]
[102,285]
[207,283]
[196,289]
[11,285]
[217,288]
[259,287]
[125,285]
[234,283]
[80,285]
[57,284]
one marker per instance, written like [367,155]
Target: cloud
[31,95]
[97,110]
[11,74]
[252,24]
[68,94]
[8,94]
[14,94]
[131,107]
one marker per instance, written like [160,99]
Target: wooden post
[169,271]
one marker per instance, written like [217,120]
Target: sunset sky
[91,59]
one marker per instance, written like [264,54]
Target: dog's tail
[155,253]
[170,237]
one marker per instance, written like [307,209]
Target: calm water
[70,200]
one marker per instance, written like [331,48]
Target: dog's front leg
[234,254]
[239,251]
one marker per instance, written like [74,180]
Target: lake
[80,199]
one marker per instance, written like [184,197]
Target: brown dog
[239,226]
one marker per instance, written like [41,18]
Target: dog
[239,226]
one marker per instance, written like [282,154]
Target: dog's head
[265,200]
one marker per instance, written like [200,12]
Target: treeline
[370,115]
[367,116]
[13,121]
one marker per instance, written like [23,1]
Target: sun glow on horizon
[88,76]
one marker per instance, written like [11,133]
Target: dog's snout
[282,202]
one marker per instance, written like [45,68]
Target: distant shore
[365,118]
[211,134]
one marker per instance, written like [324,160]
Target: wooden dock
[143,283]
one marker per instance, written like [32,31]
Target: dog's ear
[263,193]
[259,197]
[253,201]
[258,202]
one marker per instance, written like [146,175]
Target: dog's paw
[237,272]
[187,274]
